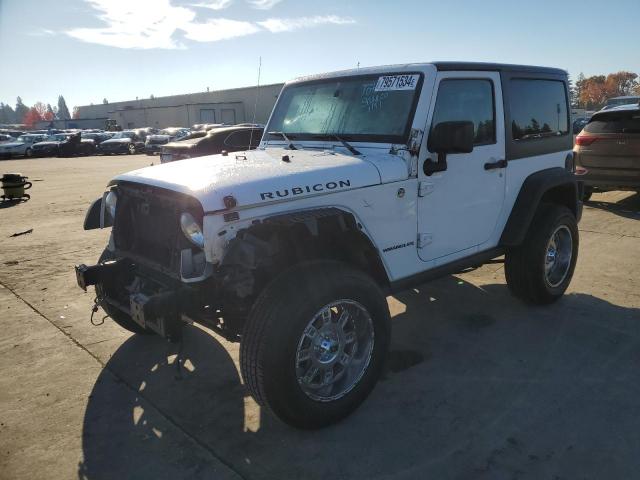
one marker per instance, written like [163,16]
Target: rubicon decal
[396,247]
[293,191]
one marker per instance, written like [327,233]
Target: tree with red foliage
[31,117]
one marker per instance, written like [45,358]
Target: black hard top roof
[499,67]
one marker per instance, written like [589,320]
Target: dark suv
[607,151]
[230,139]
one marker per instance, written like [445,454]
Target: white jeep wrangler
[366,182]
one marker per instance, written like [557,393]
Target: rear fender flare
[531,194]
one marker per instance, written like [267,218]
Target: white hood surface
[261,176]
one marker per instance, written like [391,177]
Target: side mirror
[448,137]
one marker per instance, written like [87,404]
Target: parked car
[607,151]
[122,142]
[579,124]
[367,182]
[5,138]
[97,137]
[619,101]
[207,126]
[64,145]
[217,140]
[154,142]
[21,146]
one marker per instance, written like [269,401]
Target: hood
[261,176]
[117,140]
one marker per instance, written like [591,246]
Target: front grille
[147,224]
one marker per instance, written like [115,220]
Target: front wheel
[540,270]
[315,343]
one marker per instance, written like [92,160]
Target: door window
[468,100]
[538,109]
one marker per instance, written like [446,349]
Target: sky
[87,50]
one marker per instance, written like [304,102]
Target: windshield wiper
[286,139]
[348,146]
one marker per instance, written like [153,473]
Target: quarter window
[467,100]
[538,109]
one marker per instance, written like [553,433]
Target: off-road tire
[525,265]
[276,323]
[118,316]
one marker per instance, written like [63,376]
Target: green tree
[21,110]
[7,115]
[63,110]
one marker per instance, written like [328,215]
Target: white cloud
[214,4]
[218,29]
[263,4]
[157,24]
[278,25]
[135,24]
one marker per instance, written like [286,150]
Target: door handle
[494,165]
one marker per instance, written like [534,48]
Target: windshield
[372,108]
[613,102]
[123,135]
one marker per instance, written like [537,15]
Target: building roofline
[183,95]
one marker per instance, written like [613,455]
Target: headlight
[110,202]
[192,229]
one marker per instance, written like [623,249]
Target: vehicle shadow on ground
[628,207]
[478,386]
[12,203]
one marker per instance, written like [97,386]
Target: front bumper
[153,301]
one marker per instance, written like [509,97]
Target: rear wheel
[131,148]
[315,343]
[540,270]
[28,152]
[118,316]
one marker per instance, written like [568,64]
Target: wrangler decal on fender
[318,187]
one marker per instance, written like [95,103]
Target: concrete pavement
[478,385]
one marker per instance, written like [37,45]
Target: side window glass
[467,100]
[538,109]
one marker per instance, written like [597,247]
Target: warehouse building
[230,106]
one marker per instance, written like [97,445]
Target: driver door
[458,208]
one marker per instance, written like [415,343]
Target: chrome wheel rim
[132,149]
[558,256]
[334,350]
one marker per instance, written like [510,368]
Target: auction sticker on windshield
[397,82]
